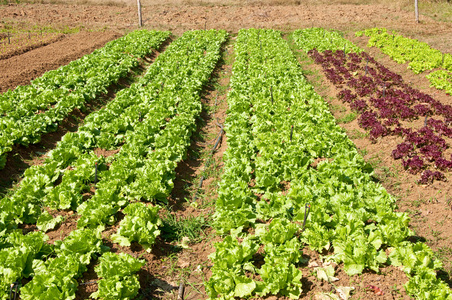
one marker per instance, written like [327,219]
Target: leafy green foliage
[286,151]
[140,224]
[118,279]
[55,277]
[151,123]
[84,243]
[122,264]
[17,253]
[283,278]
[419,55]
[144,169]
[58,92]
[442,80]
[279,231]
[117,288]
[47,222]
[308,39]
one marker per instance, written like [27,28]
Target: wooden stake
[180,295]
[140,20]
[416,10]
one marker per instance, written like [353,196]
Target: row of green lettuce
[286,154]
[417,260]
[147,128]
[28,112]
[419,55]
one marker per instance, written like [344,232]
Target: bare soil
[179,16]
[25,42]
[21,69]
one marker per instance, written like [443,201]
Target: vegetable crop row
[30,111]
[322,39]
[420,56]
[274,172]
[150,124]
[385,103]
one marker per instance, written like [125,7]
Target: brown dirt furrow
[167,265]
[20,49]
[181,15]
[21,69]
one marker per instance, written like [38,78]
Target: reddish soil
[180,15]
[390,281]
[21,69]
[25,43]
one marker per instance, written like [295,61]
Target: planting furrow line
[420,56]
[151,123]
[292,177]
[388,106]
[30,111]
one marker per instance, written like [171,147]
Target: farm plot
[386,105]
[29,111]
[293,184]
[292,176]
[420,56]
[21,42]
[145,131]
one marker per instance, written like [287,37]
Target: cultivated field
[231,149]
